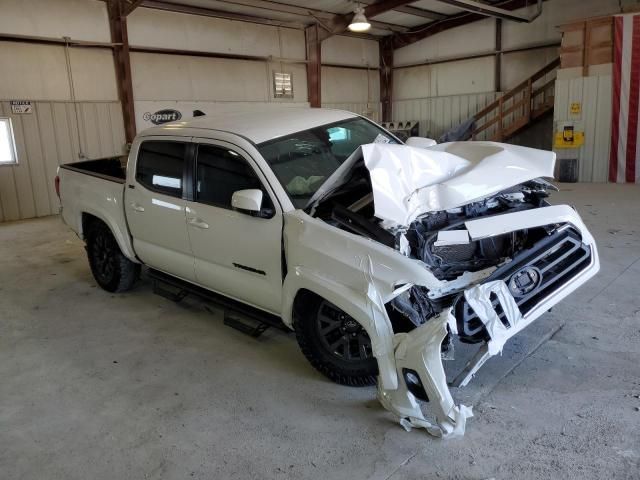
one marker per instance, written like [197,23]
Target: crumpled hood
[409,182]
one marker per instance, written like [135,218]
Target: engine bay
[351,208]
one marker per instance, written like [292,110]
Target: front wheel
[112,270]
[335,344]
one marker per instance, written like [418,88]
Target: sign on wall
[162,116]
[576,108]
[21,107]
[569,135]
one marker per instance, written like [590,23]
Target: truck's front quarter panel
[356,274]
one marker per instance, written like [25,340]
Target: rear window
[160,166]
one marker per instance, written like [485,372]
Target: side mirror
[249,201]
[420,142]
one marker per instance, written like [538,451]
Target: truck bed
[112,168]
[95,188]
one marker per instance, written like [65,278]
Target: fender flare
[123,239]
[355,304]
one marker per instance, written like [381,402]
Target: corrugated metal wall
[594,93]
[48,138]
[438,114]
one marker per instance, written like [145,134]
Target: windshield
[304,160]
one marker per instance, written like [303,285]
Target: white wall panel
[175,77]
[476,37]
[439,114]
[293,43]
[48,138]
[468,76]
[414,82]
[156,28]
[464,77]
[518,66]
[350,85]
[39,72]
[594,93]
[77,19]
[33,71]
[341,50]
[94,76]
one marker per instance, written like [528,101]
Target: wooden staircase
[519,107]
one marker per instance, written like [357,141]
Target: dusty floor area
[99,386]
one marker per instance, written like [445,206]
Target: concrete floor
[99,386]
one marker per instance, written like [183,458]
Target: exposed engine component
[352,210]
[449,260]
[415,305]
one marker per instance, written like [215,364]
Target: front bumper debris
[489,313]
[419,352]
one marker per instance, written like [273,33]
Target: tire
[334,343]
[111,269]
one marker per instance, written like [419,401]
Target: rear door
[155,205]
[236,254]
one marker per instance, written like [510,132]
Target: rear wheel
[335,343]
[111,269]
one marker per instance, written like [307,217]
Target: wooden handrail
[505,106]
[543,88]
[536,76]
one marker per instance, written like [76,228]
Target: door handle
[198,223]
[137,207]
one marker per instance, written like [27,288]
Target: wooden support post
[498,59]
[500,119]
[118,26]
[586,52]
[386,78]
[528,95]
[314,65]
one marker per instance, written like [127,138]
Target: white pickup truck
[375,252]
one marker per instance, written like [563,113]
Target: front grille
[556,259]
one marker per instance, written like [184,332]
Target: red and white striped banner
[624,163]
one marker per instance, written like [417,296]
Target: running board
[176,289]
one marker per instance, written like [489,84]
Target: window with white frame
[7,142]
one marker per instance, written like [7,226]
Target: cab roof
[257,125]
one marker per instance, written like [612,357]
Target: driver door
[236,254]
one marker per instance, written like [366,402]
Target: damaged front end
[494,260]
[558,256]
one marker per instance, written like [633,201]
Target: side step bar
[235,313]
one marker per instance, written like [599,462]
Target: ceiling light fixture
[359,22]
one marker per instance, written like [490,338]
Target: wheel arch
[305,284]
[301,282]
[123,239]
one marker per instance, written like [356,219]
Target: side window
[221,172]
[160,166]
